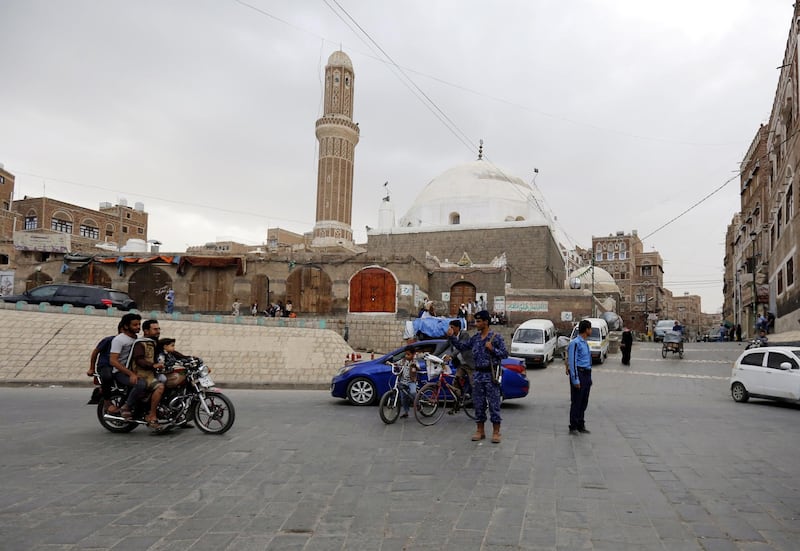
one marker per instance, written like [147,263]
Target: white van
[535,342]
[598,340]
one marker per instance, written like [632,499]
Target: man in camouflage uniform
[488,348]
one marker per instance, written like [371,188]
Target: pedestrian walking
[170,298]
[626,345]
[235,307]
[488,349]
[580,377]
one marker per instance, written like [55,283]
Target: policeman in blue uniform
[579,363]
[488,348]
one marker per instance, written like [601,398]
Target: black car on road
[76,294]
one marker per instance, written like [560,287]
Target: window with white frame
[61,225]
[31,222]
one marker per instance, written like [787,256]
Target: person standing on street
[626,345]
[580,377]
[488,348]
[170,298]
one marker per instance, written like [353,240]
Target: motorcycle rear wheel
[222,413]
[111,424]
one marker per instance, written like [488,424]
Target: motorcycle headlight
[203,371]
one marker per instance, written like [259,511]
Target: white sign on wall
[527,306]
[55,242]
[6,283]
[499,304]
[406,290]
[566,316]
[445,297]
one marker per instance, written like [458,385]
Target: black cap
[483,315]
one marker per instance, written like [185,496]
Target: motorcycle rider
[100,365]
[121,347]
[145,366]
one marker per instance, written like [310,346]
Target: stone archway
[91,275]
[147,286]
[309,288]
[373,289]
[461,293]
[36,279]
[259,291]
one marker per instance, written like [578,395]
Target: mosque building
[474,233]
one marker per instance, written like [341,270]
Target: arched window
[90,228]
[455,218]
[31,220]
[61,221]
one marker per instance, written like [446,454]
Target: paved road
[672,463]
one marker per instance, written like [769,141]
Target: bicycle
[392,399]
[432,399]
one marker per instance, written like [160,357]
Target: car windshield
[530,336]
[595,336]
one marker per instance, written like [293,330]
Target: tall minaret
[338,136]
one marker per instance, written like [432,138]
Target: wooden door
[36,279]
[461,293]
[258,291]
[91,275]
[210,291]
[147,286]
[373,290]
[309,289]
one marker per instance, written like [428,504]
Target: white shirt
[122,345]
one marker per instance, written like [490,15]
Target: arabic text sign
[527,306]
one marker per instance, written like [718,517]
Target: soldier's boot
[479,433]
[496,433]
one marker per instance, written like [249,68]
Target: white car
[771,372]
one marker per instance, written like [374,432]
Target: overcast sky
[204,110]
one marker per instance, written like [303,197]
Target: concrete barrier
[54,348]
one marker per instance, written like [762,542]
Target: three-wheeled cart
[673,342]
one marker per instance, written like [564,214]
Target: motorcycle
[195,399]
[755,343]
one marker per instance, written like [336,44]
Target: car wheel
[361,392]
[739,393]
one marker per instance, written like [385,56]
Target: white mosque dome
[476,194]
[603,281]
[340,59]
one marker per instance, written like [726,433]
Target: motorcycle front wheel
[112,424]
[220,415]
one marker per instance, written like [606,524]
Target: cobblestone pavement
[672,463]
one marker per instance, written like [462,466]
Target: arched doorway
[90,274]
[461,293]
[147,286]
[210,290]
[36,279]
[373,290]
[309,289]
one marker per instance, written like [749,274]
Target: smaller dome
[603,281]
[340,59]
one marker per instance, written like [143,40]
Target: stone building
[686,309]
[762,247]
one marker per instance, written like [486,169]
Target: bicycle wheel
[467,404]
[429,406]
[389,408]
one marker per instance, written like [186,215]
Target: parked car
[661,327]
[535,341]
[771,372]
[363,383]
[76,294]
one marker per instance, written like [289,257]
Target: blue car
[363,383]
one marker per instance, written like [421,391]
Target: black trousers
[626,355]
[579,399]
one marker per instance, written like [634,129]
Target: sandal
[125,411]
[153,423]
